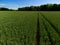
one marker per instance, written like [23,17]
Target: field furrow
[52,25]
[48,33]
[29,28]
[52,32]
[38,32]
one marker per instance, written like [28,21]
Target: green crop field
[50,28]
[29,28]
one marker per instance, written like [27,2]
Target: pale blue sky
[22,3]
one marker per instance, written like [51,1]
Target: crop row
[51,30]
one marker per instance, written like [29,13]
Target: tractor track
[46,29]
[48,34]
[52,25]
[38,32]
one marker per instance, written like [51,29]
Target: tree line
[5,9]
[45,7]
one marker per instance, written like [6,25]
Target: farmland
[50,28]
[29,28]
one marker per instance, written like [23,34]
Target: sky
[14,4]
